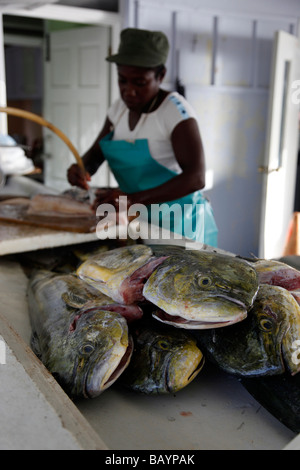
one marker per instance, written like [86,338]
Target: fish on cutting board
[48,204]
[56,212]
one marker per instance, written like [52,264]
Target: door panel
[76,97]
[280,166]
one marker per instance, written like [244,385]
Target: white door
[279,170]
[76,98]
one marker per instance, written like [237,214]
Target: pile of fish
[149,315]
[191,289]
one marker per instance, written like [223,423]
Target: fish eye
[87,348]
[266,325]
[163,345]
[204,281]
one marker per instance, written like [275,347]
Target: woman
[152,142]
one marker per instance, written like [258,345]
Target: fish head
[97,349]
[277,316]
[186,361]
[107,271]
[165,360]
[277,273]
[263,344]
[204,289]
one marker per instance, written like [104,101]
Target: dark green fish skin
[78,341]
[261,345]
[164,359]
[202,289]
[280,395]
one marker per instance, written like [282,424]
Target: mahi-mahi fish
[58,205]
[82,341]
[201,289]
[192,289]
[277,273]
[264,343]
[120,273]
[164,360]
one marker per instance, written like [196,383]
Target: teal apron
[135,170]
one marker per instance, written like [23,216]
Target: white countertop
[35,412]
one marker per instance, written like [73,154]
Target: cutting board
[15,211]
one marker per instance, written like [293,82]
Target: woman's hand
[77,177]
[92,159]
[112,196]
[108,196]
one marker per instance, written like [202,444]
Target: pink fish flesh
[276,273]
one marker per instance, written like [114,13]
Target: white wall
[222,52]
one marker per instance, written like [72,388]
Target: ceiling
[27,4]
[34,26]
[106,5]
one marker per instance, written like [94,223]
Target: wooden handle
[34,117]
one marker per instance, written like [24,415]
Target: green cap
[141,48]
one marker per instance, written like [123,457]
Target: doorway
[23,52]
[27,133]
